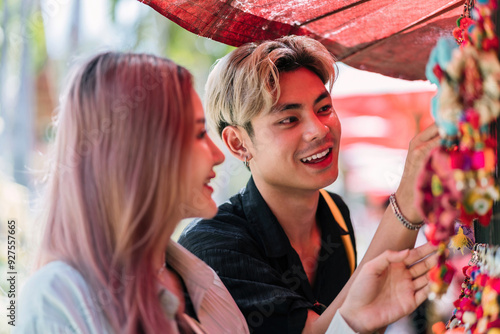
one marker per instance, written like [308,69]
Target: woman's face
[204,156]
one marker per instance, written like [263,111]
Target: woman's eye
[202,134]
[288,120]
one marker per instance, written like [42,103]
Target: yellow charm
[460,240]
[436,186]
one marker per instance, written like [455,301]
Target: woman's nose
[216,153]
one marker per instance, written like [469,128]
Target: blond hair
[123,132]
[245,82]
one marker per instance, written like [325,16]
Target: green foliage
[195,53]
[38,45]
[154,31]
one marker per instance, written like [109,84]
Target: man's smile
[316,157]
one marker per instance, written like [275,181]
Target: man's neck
[295,210]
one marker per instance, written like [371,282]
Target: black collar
[274,239]
[275,242]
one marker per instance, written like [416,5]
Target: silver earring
[246,163]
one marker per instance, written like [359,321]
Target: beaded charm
[477,309]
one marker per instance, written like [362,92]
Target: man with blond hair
[285,248]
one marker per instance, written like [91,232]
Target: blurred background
[40,41]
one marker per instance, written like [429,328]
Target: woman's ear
[233,137]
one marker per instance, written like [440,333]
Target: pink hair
[123,135]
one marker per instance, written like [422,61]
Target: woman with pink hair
[131,158]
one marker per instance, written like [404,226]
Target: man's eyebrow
[287,106]
[200,120]
[323,95]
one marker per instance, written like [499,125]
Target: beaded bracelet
[401,218]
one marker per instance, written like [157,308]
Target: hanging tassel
[441,275]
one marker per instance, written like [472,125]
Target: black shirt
[249,250]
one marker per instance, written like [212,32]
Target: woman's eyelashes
[201,134]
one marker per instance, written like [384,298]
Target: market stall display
[458,185]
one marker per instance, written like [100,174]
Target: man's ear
[233,137]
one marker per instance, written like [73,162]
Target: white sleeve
[56,299]
[339,326]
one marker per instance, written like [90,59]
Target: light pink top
[216,309]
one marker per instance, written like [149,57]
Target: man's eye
[325,109]
[288,120]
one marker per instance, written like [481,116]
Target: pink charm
[478,160]
[456,159]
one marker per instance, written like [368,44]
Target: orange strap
[346,238]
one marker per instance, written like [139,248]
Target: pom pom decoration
[441,275]
[439,328]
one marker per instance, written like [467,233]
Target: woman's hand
[387,288]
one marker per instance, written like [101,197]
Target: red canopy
[391,37]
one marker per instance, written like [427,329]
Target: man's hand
[418,153]
[387,288]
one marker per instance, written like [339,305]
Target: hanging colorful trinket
[477,309]
[463,22]
[464,238]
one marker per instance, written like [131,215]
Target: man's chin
[329,181]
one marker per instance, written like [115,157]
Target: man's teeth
[316,156]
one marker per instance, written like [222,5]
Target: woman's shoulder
[52,279]
[55,269]
[57,297]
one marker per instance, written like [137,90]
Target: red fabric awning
[391,37]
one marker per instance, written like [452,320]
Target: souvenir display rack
[458,189]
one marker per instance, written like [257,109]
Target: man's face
[296,146]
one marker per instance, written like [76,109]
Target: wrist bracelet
[401,218]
